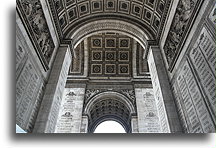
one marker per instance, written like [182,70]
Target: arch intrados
[104,31]
[109,95]
[94,27]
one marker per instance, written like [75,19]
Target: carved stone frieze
[179,28]
[32,13]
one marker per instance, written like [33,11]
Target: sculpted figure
[42,39]
[28,8]
[186,15]
[46,49]
[214,14]
[39,21]
[186,4]
[170,51]
[176,19]
[174,37]
[37,17]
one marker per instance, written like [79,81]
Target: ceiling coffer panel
[110,55]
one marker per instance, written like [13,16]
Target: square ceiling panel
[110,55]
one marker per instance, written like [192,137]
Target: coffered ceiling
[75,20]
[108,55]
[149,14]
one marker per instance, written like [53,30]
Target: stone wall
[193,77]
[31,76]
[30,82]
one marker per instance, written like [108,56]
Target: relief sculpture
[35,16]
[212,16]
[178,28]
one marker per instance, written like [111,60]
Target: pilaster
[49,110]
[162,92]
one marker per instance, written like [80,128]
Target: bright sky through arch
[109,127]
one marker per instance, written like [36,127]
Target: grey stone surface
[84,124]
[194,85]
[198,58]
[70,115]
[203,58]
[49,110]
[162,92]
[212,16]
[30,80]
[180,99]
[147,113]
[134,124]
[198,116]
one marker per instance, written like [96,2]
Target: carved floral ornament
[31,10]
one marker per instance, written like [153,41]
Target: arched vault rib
[109,25]
[140,35]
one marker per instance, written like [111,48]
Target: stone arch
[109,106]
[74,25]
[139,34]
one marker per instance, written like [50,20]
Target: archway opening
[109,127]
[108,59]
[109,106]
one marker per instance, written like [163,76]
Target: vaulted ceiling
[75,20]
[148,14]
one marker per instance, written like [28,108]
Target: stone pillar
[162,92]
[84,124]
[148,120]
[49,109]
[134,124]
[70,114]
